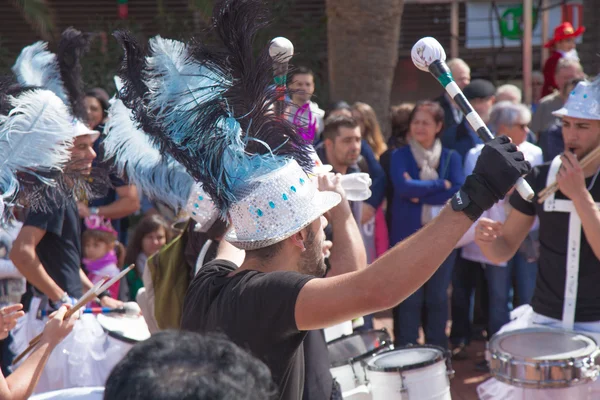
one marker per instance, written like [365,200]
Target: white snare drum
[543,358]
[348,353]
[410,373]
[124,328]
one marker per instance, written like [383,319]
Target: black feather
[71,48]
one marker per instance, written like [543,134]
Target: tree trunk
[362,45]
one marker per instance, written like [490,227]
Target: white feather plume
[134,155]
[37,136]
[36,66]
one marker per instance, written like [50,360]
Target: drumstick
[592,157]
[428,55]
[90,295]
[281,51]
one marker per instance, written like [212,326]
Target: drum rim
[496,350]
[116,335]
[437,359]
[384,344]
[357,333]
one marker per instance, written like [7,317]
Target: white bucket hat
[275,206]
[583,102]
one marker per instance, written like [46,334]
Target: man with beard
[566,293]
[268,304]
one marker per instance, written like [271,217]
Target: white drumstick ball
[281,47]
[426,51]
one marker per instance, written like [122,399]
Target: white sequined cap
[583,102]
[201,208]
[276,205]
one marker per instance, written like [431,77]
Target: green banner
[511,22]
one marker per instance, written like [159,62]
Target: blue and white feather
[177,85]
[35,138]
[159,177]
[38,67]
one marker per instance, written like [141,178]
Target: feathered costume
[36,138]
[211,109]
[61,74]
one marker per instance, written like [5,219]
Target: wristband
[106,293]
[462,202]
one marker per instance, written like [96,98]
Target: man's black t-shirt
[256,310]
[60,249]
[554,228]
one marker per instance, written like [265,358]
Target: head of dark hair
[399,116]
[431,107]
[102,97]
[148,224]
[265,253]
[299,71]
[179,365]
[337,106]
[334,123]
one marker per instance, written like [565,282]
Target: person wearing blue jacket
[425,176]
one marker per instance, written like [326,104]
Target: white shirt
[470,250]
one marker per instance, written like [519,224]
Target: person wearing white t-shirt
[510,119]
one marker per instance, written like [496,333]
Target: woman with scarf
[425,176]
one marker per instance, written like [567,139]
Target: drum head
[543,344]
[357,346]
[405,359]
[125,328]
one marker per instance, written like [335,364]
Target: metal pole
[527,27]
[454,29]
[545,25]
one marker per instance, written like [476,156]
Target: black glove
[497,170]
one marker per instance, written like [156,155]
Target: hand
[57,327]
[406,176]
[368,212]
[8,318]
[414,200]
[84,210]
[570,177]
[327,245]
[447,184]
[487,231]
[108,301]
[333,183]
[498,168]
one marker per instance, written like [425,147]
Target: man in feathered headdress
[210,111]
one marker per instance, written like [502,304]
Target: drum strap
[574,243]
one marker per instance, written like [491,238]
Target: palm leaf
[38,15]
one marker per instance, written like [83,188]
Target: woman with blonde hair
[369,127]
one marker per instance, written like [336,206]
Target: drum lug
[449,370]
[403,390]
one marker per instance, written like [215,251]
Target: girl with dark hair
[425,176]
[151,234]
[96,105]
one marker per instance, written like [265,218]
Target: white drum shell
[347,378]
[431,382]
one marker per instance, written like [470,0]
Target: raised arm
[348,252]
[402,270]
[25,258]
[21,383]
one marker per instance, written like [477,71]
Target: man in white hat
[566,292]
[278,293]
